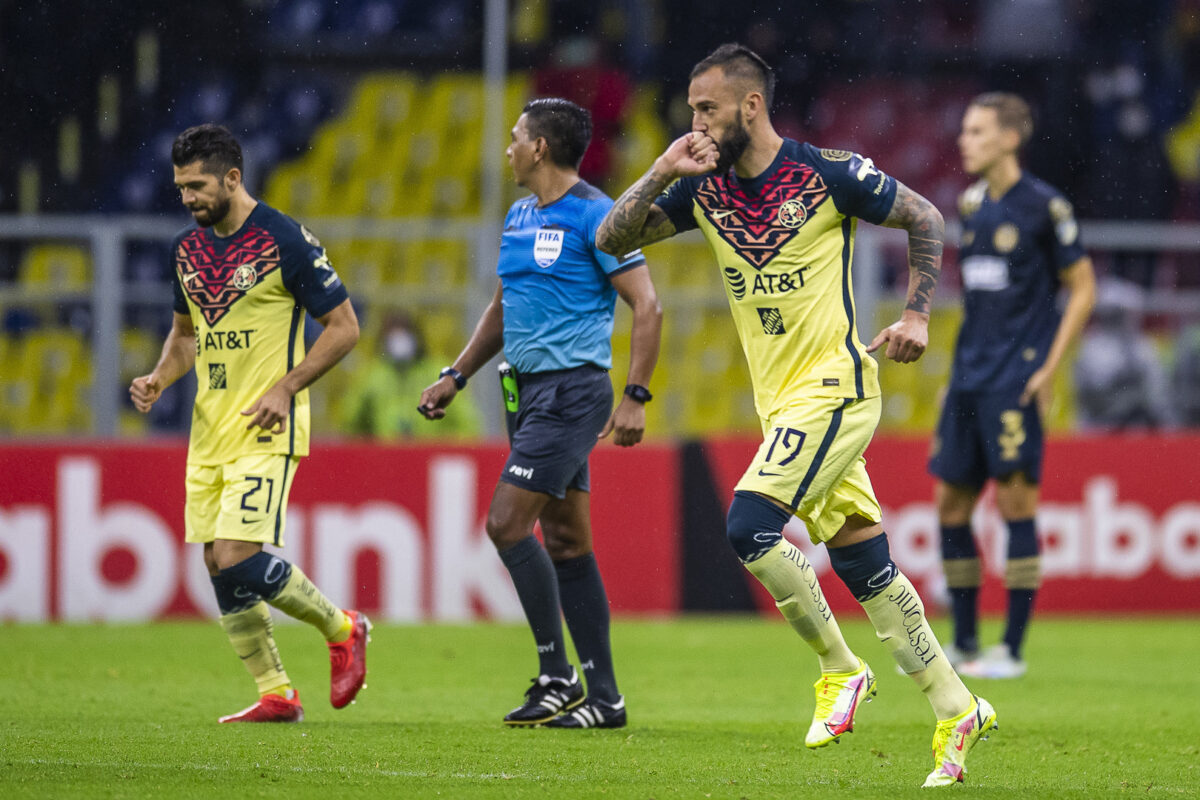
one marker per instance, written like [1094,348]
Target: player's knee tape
[261,573]
[1023,573]
[866,567]
[963,573]
[958,542]
[231,598]
[754,525]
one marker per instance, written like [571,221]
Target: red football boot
[348,662]
[271,708]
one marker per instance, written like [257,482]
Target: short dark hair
[1012,112]
[212,145]
[741,63]
[566,127]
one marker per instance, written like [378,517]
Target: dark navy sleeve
[307,273]
[1066,248]
[180,305]
[858,187]
[677,201]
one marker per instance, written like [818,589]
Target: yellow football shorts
[244,500]
[811,459]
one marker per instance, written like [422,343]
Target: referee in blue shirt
[552,315]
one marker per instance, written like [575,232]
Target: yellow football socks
[301,599]
[791,580]
[898,616]
[250,633]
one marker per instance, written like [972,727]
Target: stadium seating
[59,267]
[401,146]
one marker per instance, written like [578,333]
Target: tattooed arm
[907,339]
[634,220]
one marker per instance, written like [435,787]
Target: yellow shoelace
[825,697]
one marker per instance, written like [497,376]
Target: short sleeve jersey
[1013,250]
[784,242]
[558,297]
[246,295]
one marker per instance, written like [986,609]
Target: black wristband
[460,382]
[639,393]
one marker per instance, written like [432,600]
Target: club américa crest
[792,214]
[244,277]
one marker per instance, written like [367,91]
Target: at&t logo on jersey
[764,282]
[737,282]
[547,246]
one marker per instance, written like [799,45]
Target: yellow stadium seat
[60,378]
[298,188]
[56,266]
[444,328]
[139,352]
[517,93]
[384,100]
[361,264]
[16,389]
[460,94]
[683,265]
[440,263]
[643,138]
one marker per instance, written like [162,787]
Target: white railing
[107,238]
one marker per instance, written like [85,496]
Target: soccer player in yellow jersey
[780,217]
[244,276]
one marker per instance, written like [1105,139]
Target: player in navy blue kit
[1020,245]
[552,314]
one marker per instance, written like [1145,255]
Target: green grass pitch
[718,708]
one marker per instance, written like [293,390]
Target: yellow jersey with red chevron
[247,295]
[784,242]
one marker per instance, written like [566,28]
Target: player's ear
[233,179]
[1012,139]
[752,106]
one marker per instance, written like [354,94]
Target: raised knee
[754,525]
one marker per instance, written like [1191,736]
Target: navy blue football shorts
[983,435]
[559,415]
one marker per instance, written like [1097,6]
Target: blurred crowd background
[364,119]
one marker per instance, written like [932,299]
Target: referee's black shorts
[559,415]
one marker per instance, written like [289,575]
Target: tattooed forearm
[634,220]
[924,267]
[926,234]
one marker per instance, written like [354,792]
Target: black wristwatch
[460,382]
[639,393]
